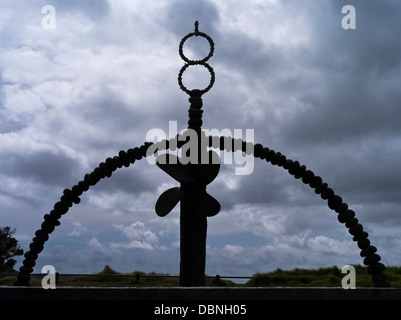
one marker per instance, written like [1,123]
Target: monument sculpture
[199,168]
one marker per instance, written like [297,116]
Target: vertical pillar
[193,224]
[192,244]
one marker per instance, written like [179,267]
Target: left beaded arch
[70,197]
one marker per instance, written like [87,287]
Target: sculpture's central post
[193,229]
[194,175]
[193,222]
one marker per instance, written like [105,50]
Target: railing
[137,276]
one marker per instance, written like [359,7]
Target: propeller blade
[171,165]
[167,201]
[206,173]
[208,205]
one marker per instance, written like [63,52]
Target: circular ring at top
[196,34]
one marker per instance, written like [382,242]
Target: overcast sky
[107,74]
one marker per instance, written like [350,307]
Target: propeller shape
[193,179]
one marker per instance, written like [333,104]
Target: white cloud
[288,252]
[21,102]
[232,252]
[99,251]
[78,230]
[139,237]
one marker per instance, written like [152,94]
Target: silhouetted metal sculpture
[195,203]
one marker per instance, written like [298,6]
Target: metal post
[192,244]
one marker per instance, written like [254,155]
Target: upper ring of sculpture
[196,34]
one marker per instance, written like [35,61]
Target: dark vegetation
[9,248]
[322,277]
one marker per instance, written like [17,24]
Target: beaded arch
[335,203]
[70,197]
[125,158]
[345,215]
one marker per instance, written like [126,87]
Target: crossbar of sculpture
[195,203]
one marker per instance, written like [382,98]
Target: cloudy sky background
[327,97]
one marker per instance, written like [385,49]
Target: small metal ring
[206,65]
[196,34]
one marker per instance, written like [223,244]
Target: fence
[137,276]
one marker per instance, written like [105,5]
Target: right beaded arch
[345,215]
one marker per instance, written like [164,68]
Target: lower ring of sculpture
[126,158]
[211,82]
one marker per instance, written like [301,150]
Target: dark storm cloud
[359,69]
[43,167]
[374,44]
[238,52]
[135,180]
[266,186]
[367,174]
[182,14]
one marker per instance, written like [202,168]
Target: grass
[322,277]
